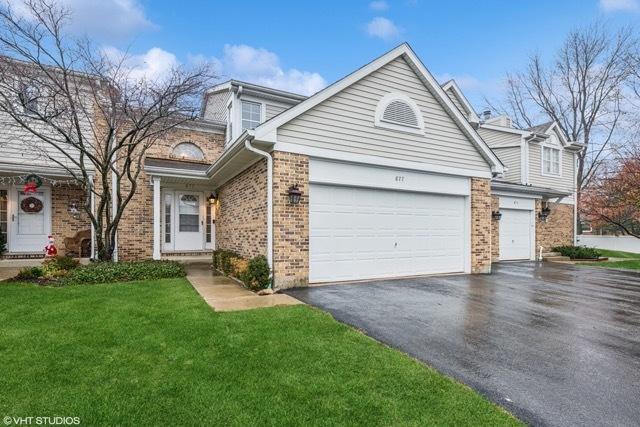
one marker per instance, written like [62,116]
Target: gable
[345,122]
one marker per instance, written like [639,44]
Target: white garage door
[358,233]
[515,234]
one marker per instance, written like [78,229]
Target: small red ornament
[50,250]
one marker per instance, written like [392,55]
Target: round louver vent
[400,112]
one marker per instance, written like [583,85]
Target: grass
[623,260]
[153,352]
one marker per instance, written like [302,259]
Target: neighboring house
[394,174]
[540,174]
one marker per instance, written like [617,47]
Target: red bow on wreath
[32,182]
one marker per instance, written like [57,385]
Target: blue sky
[302,46]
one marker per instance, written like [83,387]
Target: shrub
[238,266]
[3,243]
[58,266]
[107,272]
[577,252]
[256,275]
[222,261]
[30,273]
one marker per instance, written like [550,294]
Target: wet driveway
[554,344]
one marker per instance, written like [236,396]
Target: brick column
[480,225]
[290,222]
[495,230]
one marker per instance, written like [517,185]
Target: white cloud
[103,19]
[619,5]
[382,28]
[379,5]
[261,66]
[154,64]
[464,81]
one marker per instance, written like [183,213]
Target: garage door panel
[515,234]
[372,233]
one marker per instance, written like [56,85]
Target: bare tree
[582,89]
[85,112]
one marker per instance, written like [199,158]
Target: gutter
[249,147]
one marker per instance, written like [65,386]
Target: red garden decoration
[31,183]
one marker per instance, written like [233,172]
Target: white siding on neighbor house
[455,100]
[510,157]
[272,110]
[496,138]
[216,106]
[564,182]
[345,122]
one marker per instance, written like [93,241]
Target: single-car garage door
[360,233]
[515,234]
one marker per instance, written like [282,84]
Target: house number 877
[399,178]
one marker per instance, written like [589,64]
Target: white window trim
[560,150]
[252,101]
[382,106]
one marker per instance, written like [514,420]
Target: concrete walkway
[225,294]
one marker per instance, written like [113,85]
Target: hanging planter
[31,205]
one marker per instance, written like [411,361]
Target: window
[397,111]
[550,161]
[28,97]
[188,151]
[208,227]
[3,214]
[251,114]
[168,202]
[229,124]
[189,213]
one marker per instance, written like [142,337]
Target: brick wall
[558,230]
[241,212]
[290,222]
[135,231]
[62,223]
[480,225]
[495,230]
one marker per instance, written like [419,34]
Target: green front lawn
[154,353]
[618,259]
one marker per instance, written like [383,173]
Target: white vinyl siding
[510,157]
[495,138]
[345,122]
[457,102]
[564,182]
[272,110]
[216,106]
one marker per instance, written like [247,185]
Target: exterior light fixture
[497,215]
[544,212]
[294,194]
[212,198]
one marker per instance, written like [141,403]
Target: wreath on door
[31,205]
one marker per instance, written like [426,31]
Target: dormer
[243,106]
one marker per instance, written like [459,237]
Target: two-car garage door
[362,233]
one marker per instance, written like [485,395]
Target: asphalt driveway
[554,344]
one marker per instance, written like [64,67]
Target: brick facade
[495,230]
[63,224]
[290,222]
[241,212]
[480,225]
[135,231]
[558,230]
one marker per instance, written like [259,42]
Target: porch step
[194,257]
[551,254]
[22,255]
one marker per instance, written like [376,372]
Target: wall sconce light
[212,198]
[544,212]
[294,194]
[497,215]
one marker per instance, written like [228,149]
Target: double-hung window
[251,114]
[550,161]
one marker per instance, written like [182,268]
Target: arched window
[399,112]
[188,151]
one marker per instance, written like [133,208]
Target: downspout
[249,147]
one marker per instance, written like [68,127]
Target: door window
[3,214]
[189,213]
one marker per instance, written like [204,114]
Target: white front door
[189,221]
[515,234]
[360,233]
[30,221]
